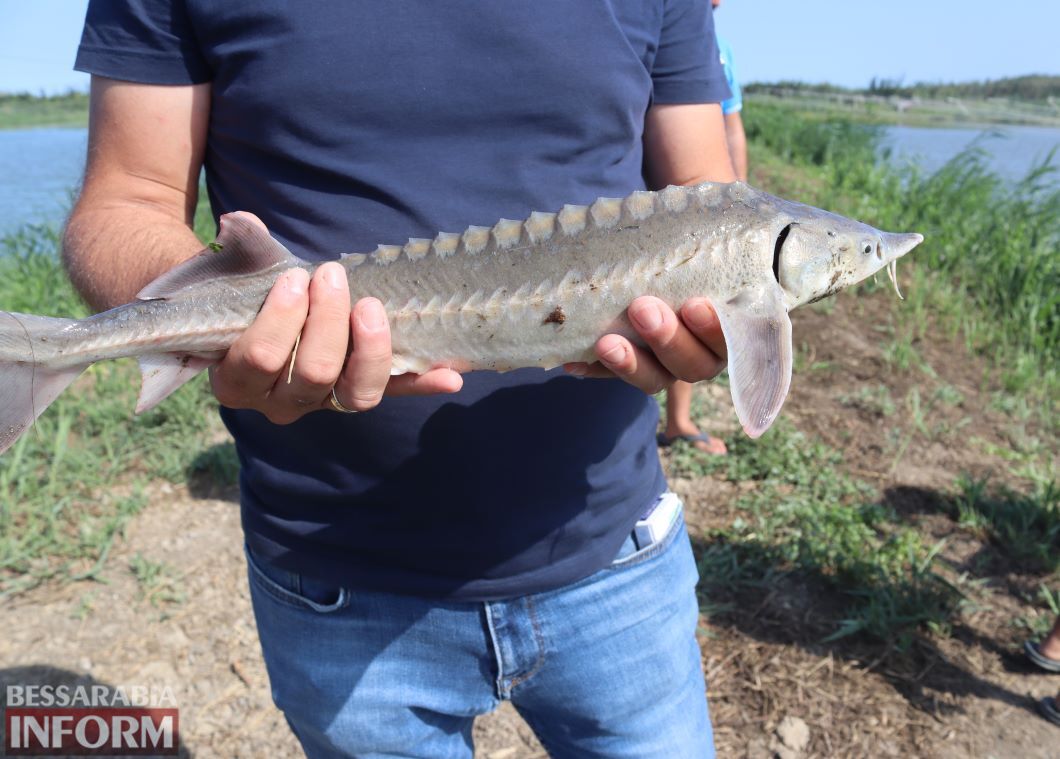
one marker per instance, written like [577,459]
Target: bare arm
[737,139]
[133,222]
[133,219]
[683,144]
[686,144]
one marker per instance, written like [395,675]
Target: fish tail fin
[28,384]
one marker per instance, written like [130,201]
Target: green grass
[806,518]
[875,400]
[989,271]
[70,484]
[989,267]
[1041,620]
[23,110]
[1024,526]
[159,583]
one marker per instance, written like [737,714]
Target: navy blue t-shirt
[344,125]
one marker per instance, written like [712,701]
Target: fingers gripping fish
[538,292]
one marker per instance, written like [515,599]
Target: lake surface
[1011,151]
[39,168]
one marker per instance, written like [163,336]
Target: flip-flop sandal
[666,442]
[1032,652]
[1047,707]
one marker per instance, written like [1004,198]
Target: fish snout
[895,245]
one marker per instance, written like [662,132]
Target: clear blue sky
[845,42]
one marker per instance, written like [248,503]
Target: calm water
[38,170]
[1011,150]
[40,167]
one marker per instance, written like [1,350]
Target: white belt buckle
[653,526]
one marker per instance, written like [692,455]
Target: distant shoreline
[1031,100]
[71,110]
[29,111]
[912,112]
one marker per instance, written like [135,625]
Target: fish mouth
[892,247]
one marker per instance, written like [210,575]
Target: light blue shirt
[735,103]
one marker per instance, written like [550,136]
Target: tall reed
[992,247]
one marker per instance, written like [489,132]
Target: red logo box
[112,731]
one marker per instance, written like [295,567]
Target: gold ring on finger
[337,404]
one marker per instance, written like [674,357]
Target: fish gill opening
[777,246]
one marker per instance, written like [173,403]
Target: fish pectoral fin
[243,246]
[758,337]
[165,372]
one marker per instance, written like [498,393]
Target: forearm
[112,249]
[685,144]
[737,140]
[133,218]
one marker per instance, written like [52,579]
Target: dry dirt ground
[965,694]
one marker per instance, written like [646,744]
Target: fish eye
[867,249]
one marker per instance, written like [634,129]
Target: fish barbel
[537,292]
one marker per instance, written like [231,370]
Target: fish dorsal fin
[758,336]
[243,247]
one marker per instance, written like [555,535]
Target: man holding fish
[462,539]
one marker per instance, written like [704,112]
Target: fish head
[819,253]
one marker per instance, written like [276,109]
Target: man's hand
[683,144]
[690,347]
[316,313]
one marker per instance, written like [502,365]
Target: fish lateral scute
[573,219]
[638,206]
[445,244]
[606,212]
[475,239]
[386,254]
[674,199]
[506,234]
[417,248]
[540,227]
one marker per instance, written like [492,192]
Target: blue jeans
[606,667]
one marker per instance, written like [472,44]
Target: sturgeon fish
[537,292]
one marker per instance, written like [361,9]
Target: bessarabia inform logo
[88,720]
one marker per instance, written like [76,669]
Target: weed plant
[989,269]
[1024,526]
[69,485]
[990,262]
[806,517]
